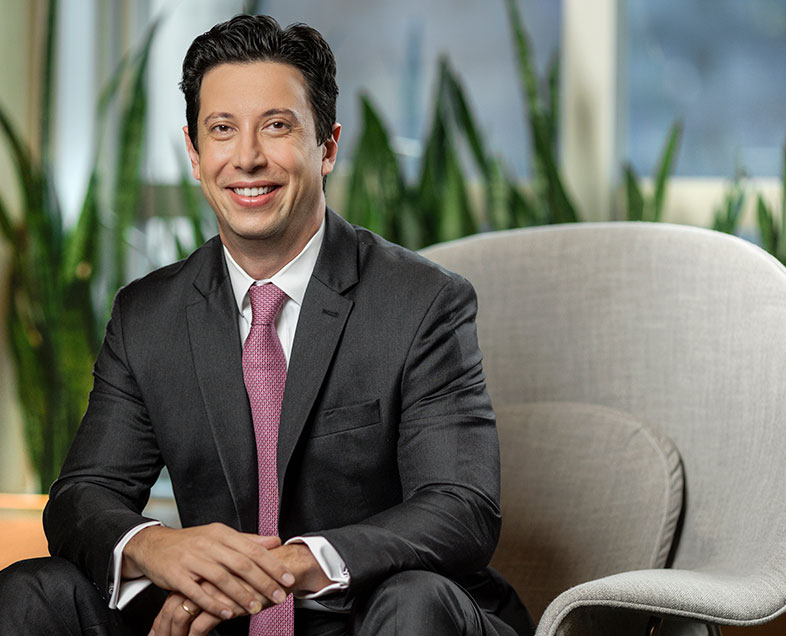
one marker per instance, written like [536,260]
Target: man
[302,380]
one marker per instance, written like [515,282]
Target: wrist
[309,576]
[135,549]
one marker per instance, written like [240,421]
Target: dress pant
[51,597]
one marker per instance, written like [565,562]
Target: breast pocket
[346,418]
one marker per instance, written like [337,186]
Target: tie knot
[266,302]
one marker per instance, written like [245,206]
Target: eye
[220,129]
[279,126]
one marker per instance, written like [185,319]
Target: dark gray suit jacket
[387,442]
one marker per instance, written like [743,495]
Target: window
[387,50]
[719,66]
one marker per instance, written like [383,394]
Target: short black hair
[259,38]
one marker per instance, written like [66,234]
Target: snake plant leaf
[433,171]
[456,214]
[542,125]
[7,226]
[48,83]
[464,118]
[112,88]
[41,240]
[377,192]
[562,209]
[527,75]
[766,225]
[25,345]
[193,208]
[726,217]
[82,243]
[499,212]
[780,245]
[553,106]
[128,188]
[665,169]
[27,175]
[523,211]
[633,194]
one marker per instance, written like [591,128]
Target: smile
[254,192]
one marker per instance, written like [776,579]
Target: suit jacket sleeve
[448,457]
[110,468]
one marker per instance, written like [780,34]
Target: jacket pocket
[346,418]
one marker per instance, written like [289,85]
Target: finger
[266,542]
[237,564]
[202,624]
[186,580]
[261,570]
[257,548]
[181,617]
[162,625]
[208,603]
[261,550]
[213,591]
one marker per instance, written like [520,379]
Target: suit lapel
[215,346]
[322,319]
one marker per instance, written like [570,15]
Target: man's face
[259,162]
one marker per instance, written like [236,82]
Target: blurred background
[477,116]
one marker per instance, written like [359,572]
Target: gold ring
[190,612]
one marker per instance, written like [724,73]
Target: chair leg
[713,630]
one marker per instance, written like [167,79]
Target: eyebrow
[267,113]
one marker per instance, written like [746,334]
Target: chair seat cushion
[587,491]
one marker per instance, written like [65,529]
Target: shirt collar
[292,279]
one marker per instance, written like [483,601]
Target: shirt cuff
[329,560]
[122,592]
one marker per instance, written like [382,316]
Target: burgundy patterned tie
[265,373]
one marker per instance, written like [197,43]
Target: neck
[262,258]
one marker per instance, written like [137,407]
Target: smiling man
[315,392]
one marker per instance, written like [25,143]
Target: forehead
[246,86]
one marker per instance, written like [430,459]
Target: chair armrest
[707,597]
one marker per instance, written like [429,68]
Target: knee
[46,596]
[24,574]
[36,573]
[420,602]
[43,578]
[416,588]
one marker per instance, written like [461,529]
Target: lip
[252,202]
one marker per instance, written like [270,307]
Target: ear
[330,150]
[193,155]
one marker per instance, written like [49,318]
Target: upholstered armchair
[639,376]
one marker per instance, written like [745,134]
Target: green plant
[437,206]
[773,234]
[56,300]
[727,216]
[554,205]
[650,208]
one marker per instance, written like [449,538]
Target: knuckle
[244,566]
[223,577]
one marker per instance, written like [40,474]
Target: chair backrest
[683,329]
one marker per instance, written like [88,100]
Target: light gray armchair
[664,342]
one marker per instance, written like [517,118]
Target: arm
[448,457]
[111,466]
[105,483]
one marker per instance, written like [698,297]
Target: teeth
[253,192]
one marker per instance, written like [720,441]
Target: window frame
[594,124]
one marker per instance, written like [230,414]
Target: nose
[249,153]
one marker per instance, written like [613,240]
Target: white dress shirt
[292,279]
